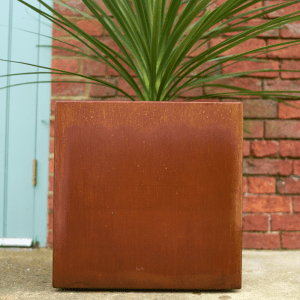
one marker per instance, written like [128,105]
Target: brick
[247,83]
[261,185]
[286,222]
[50,220]
[124,85]
[52,128]
[196,51]
[93,68]
[291,30]
[286,111]
[103,7]
[283,85]
[52,106]
[246,148]
[244,185]
[91,27]
[252,7]
[256,22]
[282,129]
[296,167]
[266,204]
[67,88]
[217,3]
[260,109]
[261,240]
[282,12]
[255,222]
[102,90]
[79,5]
[50,202]
[290,65]
[196,92]
[248,45]
[59,32]
[290,240]
[108,41]
[50,185]
[113,72]
[289,148]
[290,52]
[253,129]
[267,166]
[196,19]
[246,66]
[213,71]
[51,145]
[296,204]
[65,52]
[69,65]
[290,185]
[50,239]
[51,166]
[264,148]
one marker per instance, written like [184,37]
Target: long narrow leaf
[157,37]
[97,80]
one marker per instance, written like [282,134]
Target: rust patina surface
[148,195]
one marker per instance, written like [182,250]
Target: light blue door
[24,125]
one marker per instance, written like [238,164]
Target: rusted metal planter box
[148,195]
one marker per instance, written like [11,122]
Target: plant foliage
[156,38]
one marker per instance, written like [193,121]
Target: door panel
[25,134]
[20,191]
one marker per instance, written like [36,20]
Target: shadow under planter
[148,195]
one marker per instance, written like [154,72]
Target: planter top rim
[165,102]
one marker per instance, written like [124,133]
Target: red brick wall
[271,183]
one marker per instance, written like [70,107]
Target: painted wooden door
[24,124]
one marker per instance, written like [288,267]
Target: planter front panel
[148,195]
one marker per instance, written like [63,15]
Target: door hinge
[34,165]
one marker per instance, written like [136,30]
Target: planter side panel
[148,195]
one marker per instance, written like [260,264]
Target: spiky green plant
[156,37]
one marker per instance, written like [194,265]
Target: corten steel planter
[148,195]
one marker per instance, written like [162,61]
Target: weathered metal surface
[148,195]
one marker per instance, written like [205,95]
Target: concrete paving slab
[267,275]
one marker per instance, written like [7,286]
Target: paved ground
[26,274]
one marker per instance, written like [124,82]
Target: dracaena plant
[156,38]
